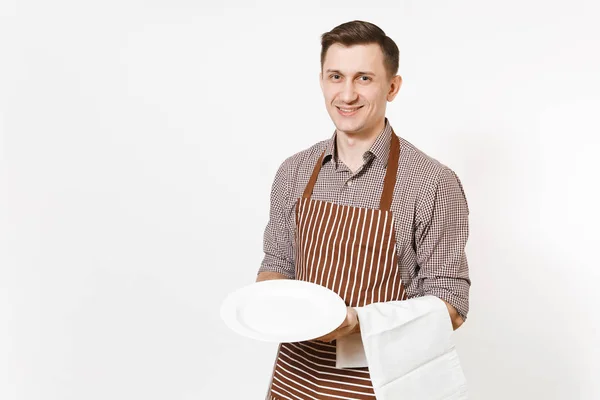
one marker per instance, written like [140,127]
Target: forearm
[269,275]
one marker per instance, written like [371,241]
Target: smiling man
[363,213]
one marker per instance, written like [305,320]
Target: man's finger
[327,338]
[322,338]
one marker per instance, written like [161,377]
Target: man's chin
[348,127]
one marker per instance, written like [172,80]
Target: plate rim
[228,311]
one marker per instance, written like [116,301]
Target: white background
[139,141]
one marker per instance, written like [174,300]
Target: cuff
[460,303]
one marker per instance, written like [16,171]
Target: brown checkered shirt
[429,206]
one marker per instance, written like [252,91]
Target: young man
[385,221]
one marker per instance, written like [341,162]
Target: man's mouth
[348,111]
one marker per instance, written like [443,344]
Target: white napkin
[408,348]
[350,352]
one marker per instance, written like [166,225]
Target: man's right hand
[269,275]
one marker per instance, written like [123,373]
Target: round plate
[283,310]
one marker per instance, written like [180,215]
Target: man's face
[356,87]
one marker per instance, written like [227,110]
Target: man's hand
[349,326]
[455,317]
[268,275]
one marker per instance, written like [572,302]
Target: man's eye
[335,76]
[364,76]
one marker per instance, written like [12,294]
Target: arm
[441,234]
[278,261]
[352,324]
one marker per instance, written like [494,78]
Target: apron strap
[389,181]
[391,171]
[313,178]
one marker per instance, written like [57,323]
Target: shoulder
[420,166]
[431,178]
[302,161]
[295,170]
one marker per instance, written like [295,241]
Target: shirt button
[349,183]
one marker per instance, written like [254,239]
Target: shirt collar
[380,149]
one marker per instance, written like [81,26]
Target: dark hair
[361,32]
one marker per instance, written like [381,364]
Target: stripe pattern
[352,251]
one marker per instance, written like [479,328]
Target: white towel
[408,348]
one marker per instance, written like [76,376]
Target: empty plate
[283,310]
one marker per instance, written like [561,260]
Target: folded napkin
[350,352]
[408,348]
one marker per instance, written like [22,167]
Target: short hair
[361,32]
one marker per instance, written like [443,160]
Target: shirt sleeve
[278,243]
[441,234]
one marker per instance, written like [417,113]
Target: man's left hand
[349,326]
[455,317]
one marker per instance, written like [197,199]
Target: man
[385,222]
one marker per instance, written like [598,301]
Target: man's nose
[348,94]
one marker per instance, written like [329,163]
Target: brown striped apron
[352,251]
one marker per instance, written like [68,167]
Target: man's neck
[351,147]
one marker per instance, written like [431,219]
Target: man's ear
[321,80]
[395,87]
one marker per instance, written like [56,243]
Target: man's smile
[348,111]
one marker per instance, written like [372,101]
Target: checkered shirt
[429,206]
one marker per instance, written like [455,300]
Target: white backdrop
[139,141]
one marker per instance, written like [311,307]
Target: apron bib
[352,251]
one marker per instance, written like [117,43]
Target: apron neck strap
[313,178]
[389,181]
[391,171]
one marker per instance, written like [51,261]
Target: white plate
[283,310]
